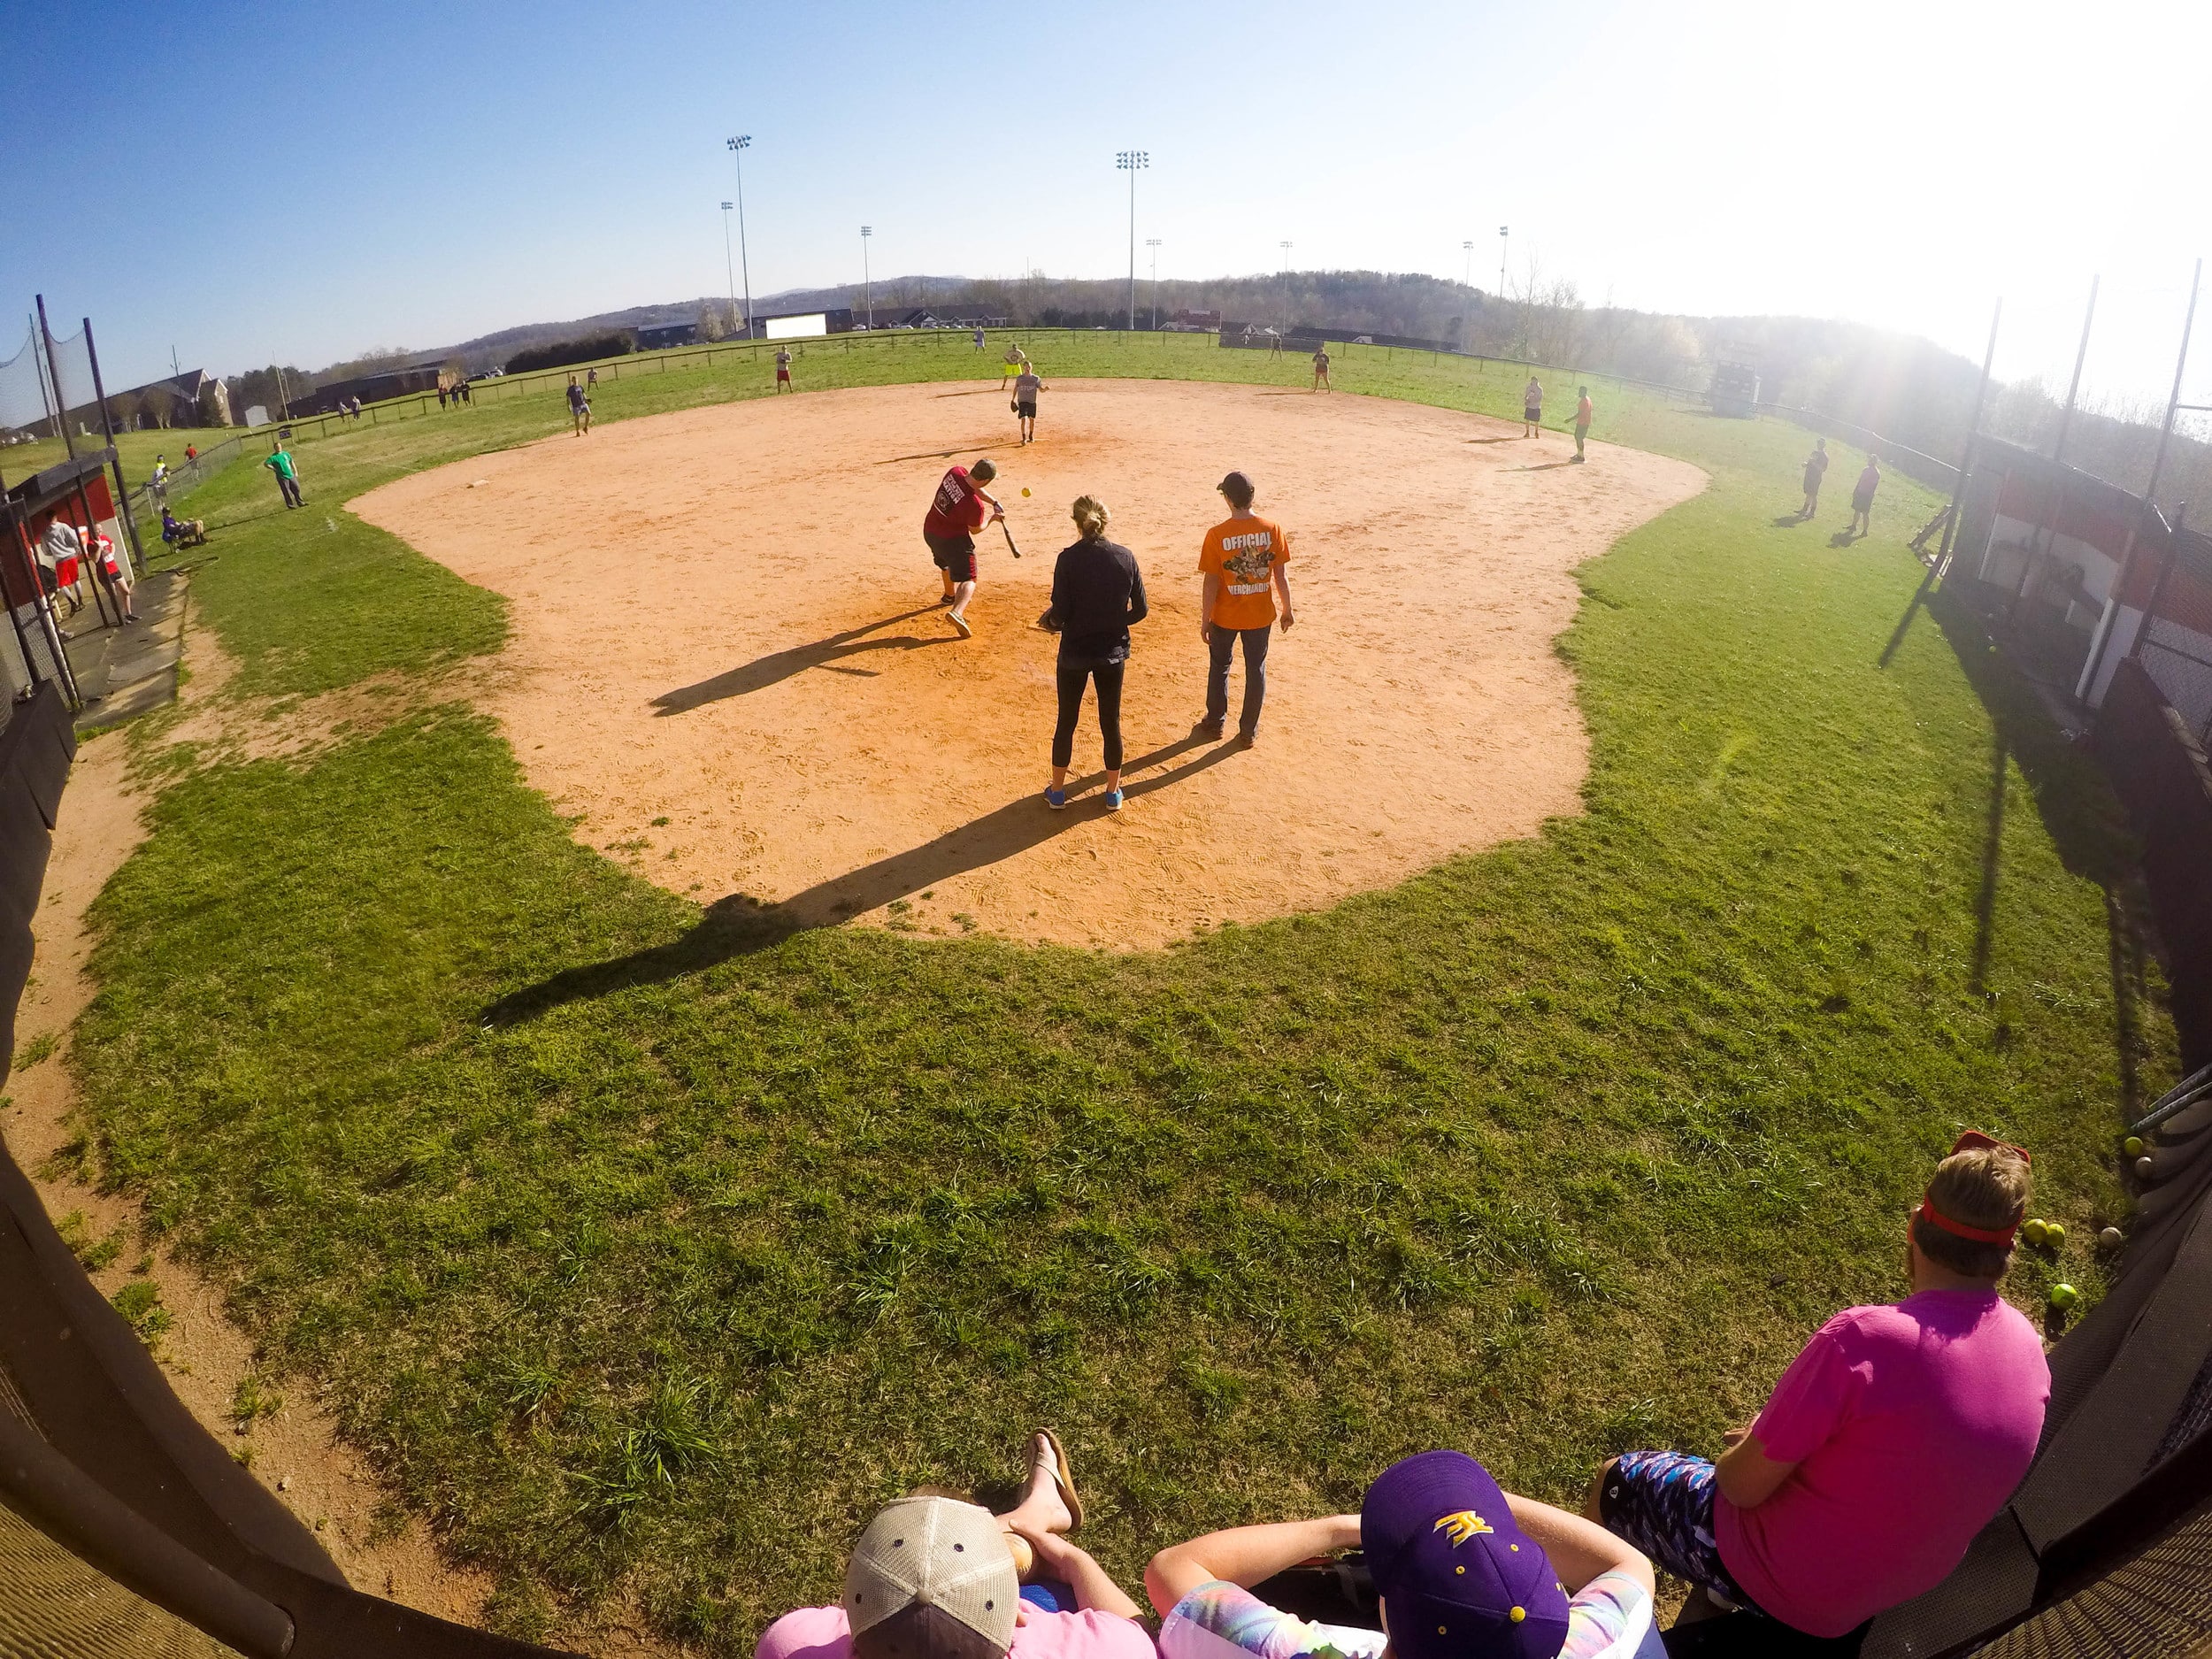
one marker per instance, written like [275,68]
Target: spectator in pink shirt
[1891,1440]
[934,1578]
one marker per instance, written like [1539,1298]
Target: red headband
[1935,1218]
[1971,1140]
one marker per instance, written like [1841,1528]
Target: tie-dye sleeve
[1607,1618]
[1222,1621]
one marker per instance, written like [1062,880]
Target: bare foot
[1042,1509]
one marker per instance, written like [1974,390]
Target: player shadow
[231,520]
[1844,537]
[1904,622]
[1514,437]
[936,454]
[741,925]
[778,666]
[1791,520]
[1544,466]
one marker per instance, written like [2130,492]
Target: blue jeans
[1219,647]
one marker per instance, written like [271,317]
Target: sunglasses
[1974,1140]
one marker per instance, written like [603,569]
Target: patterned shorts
[1663,1503]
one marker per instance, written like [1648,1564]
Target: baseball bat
[1016,551]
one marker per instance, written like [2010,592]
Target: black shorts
[1027,411]
[954,554]
[1532,414]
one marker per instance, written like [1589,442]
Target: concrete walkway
[124,672]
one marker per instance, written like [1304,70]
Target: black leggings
[1073,677]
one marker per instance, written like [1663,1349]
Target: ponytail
[1090,517]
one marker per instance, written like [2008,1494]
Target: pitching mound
[727,656]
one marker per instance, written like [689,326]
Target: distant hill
[903,294]
[1911,391]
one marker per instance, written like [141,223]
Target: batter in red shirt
[960,508]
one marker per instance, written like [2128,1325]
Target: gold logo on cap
[1462,1526]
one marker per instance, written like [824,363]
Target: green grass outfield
[136,451]
[645,1250]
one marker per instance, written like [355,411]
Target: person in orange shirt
[1242,561]
[1583,415]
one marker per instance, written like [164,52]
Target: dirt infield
[726,654]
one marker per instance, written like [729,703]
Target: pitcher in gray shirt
[1026,386]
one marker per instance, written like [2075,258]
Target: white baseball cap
[932,1579]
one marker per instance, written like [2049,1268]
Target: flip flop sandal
[1063,1478]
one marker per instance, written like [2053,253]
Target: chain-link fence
[189,475]
[2175,642]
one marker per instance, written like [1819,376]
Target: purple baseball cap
[1458,1579]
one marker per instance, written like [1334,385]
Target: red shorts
[783,374]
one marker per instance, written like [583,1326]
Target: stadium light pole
[1467,277]
[867,292]
[1504,242]
[1153,242]
[1132,162]
[738,146]
[728,270]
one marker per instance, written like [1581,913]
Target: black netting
[23,398]
[72,366]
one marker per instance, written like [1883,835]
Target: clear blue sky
[321,180]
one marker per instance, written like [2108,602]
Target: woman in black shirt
[1097,593]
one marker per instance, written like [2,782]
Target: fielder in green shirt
[288,476]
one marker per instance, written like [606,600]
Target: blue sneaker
[1113,800]
[1057,799]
